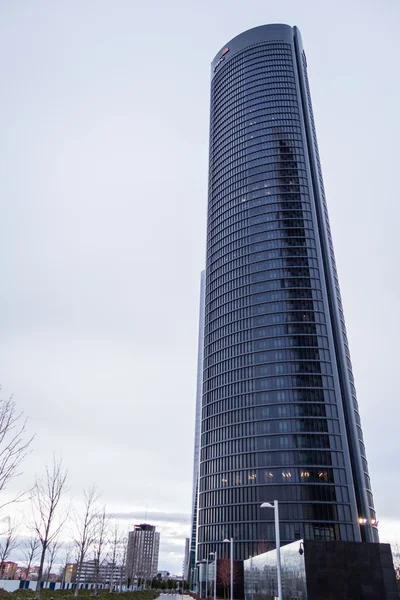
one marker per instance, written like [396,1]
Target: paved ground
[174,597]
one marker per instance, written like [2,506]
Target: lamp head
[267,505]
[226,540]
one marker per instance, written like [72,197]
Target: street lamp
[231,543]
[214,554]
[207,578]
[277,543]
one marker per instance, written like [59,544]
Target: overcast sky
[103,187]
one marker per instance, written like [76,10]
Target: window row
[303,370]
[247,71]
[236,151]
[241,63]
[259,52]
[222,416]
[267,166]
[279,128]
[213,418]
[269,171]
[284,342]
[263,131]
[254,263]
[259,225]
[258,108]
[225,325]
[253,123]
[262,197]
[272,441]
[249,477]
[238,299]
[274,458]
[283,247]
[264,541]
[243,103]
[238,119]
[296,275]
[268,427]
[292,512]
[249,88]
[280,79]
[304,239]
[254,164]
[238,66]
[244,331]
[262,204]
[261,169]
[293,493]
[229,313]
[243,284]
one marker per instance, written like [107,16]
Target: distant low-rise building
[89,572]
[8,570]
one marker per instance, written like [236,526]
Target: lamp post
[277,543]
[231,543]
[214,554]
[207,578]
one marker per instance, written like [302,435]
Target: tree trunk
[78,575]
[28,568]
[112,579]
[40,572]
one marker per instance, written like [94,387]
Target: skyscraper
[280,418]
[186,560]
[142,553]
[196,458]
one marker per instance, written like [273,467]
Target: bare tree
[115,549]
[85,530]
[66,559]
[52,549]
[31,553]
[9,542]
[224,574]
[47,521]
[14,444]
[100,543]
[122,554]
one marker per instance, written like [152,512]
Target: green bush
[84,594]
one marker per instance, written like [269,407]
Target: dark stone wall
[349,571]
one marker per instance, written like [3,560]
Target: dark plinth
[349,571]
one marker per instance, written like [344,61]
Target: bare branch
[100,542]
[48,520]
[85,526]
[9,543]
[14,442]
[52,550]
[31,553]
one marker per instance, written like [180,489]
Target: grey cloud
[149,517]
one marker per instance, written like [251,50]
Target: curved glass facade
[279,414]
